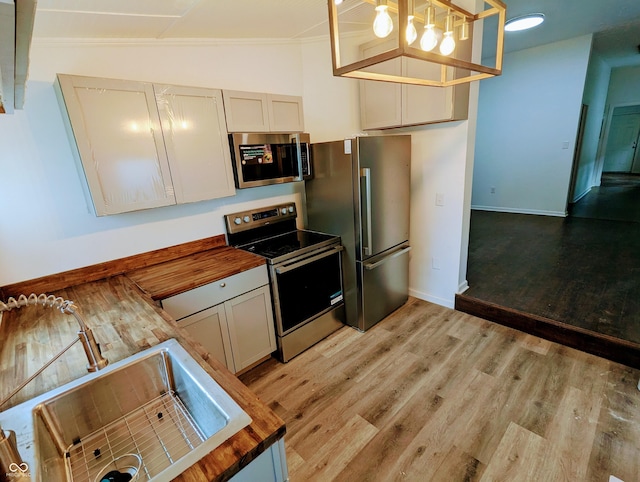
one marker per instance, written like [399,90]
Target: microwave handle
[296,138]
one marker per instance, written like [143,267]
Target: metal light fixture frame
[356,69]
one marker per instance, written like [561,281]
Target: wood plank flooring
[433,394]
[617,199]
[581,274]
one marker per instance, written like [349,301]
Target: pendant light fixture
[392,34]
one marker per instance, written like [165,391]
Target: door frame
[604,138]
[582,122]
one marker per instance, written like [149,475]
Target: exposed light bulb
[448,44]
[412,33]
[382,25]
[429,39]
[337,2]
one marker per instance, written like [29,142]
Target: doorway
[621,151]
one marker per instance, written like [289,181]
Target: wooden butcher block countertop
[170,278]
[125,320]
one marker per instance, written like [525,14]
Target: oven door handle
[288,267]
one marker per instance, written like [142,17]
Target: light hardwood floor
[432,394]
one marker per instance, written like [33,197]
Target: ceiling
[617,22]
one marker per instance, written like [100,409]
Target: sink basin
[159,405]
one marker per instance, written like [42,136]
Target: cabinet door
[118,143]
[246,111]
[269,466]
[427,105]
[209,328]
[380,102]
[285,113]
[195,136]
[422,104]
[251,328]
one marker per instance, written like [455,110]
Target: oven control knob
[237,220]
[291,209]
[246,219]
[283,210]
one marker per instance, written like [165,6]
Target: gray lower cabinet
[232,318]
[269,466]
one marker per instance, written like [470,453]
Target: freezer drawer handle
[287,268]
[371,266]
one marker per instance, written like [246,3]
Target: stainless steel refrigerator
[360,191]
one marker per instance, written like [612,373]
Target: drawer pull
[223,284]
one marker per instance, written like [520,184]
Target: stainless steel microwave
[261,159]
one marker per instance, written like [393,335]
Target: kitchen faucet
[9,456]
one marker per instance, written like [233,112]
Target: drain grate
[161,432]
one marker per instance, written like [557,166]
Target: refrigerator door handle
[370,266]
[365,173]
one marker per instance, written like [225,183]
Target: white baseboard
[432,299]
[576,199]
[462,287]
[561,214]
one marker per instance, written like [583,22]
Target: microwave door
[262,159]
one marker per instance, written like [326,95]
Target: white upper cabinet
[385,105]
[195,136]
[285,113]
[142,146]
[258,112]
[116,129]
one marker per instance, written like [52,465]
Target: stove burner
[288,243]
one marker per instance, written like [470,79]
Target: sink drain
[123,469]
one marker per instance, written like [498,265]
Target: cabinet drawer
[211,294]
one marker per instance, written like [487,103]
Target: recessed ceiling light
[524,22]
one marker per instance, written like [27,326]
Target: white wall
[623,86]
[439,234]
[331,104]
[527,125]
[595,96]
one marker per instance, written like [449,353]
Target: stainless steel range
[305,271]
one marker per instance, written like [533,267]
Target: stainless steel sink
[159,404]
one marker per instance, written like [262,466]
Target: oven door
[306,287]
